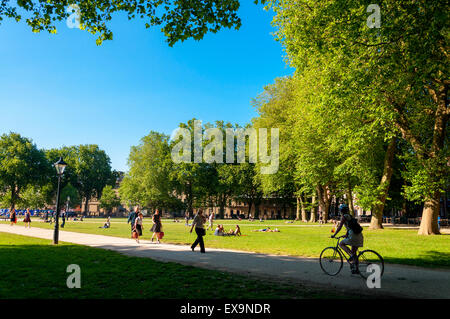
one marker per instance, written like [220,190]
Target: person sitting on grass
[219,231]
[236,232]
[108,223]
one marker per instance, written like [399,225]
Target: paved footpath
[399,281]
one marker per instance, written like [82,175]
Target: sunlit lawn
[33,268]
[402,246]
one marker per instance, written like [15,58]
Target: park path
[398,280]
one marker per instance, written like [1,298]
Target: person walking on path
[63,216]
[13,216]
[157,226]
[27,219]
[132,218]
[138,226]
[199,221]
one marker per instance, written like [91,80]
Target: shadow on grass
[431,258]
[39,271]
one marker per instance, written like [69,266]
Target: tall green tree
[88,170]
[274,107]
[109,199]
[33,197]
[148,182]
[71,193]
[248,187]
[402,67]
[21,164]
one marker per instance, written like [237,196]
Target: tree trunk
[13,198]
[221,207]
[257,210]
[313,210]
[250,204]
[429,225]
[350,200]
[430,213]
[303,209]
[324,201]
[445,205]
[86,206]
[376,222]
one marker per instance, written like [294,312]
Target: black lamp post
[60,166]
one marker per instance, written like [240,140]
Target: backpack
[355,226]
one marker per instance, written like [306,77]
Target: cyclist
[354,236]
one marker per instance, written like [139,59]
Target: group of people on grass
[220,231]
[136,219]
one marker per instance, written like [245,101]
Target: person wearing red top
[13,217]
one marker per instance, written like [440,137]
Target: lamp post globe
[60,167]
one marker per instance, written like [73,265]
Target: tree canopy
[179,19]
[21,164]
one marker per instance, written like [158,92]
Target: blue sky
[65,90]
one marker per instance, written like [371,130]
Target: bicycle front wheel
[331,261]
[367,258]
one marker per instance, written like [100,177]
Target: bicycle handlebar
[338,237]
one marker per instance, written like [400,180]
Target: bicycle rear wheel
[367,258]
[331,261]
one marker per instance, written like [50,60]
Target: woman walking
[13,216]
[138,226]
[156,228]
[27,219]
[199,221]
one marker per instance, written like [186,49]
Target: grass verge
[33,268]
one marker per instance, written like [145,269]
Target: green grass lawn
[33,268]
[401,246]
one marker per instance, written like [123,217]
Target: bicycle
[331,260]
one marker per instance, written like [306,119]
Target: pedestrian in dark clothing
[63,216]
[138,226]
[199,221]
[13,217]
[132,218]
[156,228]
[27,219]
